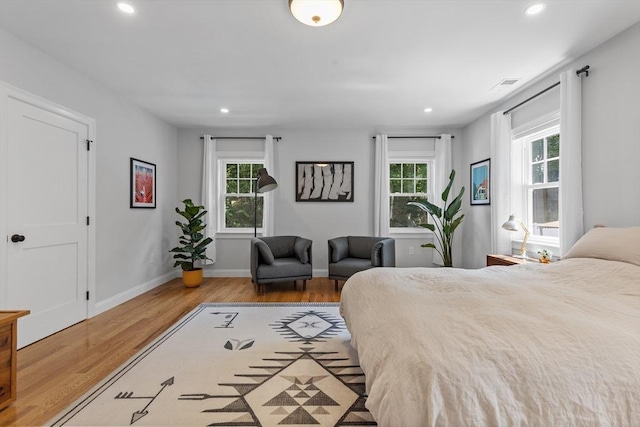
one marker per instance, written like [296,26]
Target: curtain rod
[584,69]
[275,138]
[415,137]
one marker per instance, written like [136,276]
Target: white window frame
[223,161]
[522,191]
[413,157]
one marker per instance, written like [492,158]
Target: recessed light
[428,110]
[224,110]
[126,7]
[535,8]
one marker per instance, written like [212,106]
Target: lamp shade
[511,224]
[265,181]
[316,13]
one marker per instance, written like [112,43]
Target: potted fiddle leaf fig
[193,244]
[444,222]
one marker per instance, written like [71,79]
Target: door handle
[17,238]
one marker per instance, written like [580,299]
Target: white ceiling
[379,66]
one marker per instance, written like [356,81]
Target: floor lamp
[264,183]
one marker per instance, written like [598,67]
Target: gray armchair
[348,255]
[280,259]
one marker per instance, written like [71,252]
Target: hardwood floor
[55,371]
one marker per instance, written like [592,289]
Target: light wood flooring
[55,371]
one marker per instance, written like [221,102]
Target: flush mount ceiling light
[126,7]
[316,13]
[535,8]
[224,110]
[428,110]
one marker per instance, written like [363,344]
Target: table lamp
[512,225]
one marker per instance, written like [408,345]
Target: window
[541,181]
[238,195]
[408,181]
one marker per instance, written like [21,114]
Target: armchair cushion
[360,247]
[349,266]
[265,252]
[289,268]
[339,248]
[301,249]
[281,246]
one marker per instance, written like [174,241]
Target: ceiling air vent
[506,84]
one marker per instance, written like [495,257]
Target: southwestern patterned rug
[236,365]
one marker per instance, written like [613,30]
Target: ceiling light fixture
[126,7]
[224,110]
[316,13]
[428,110]
[535,8]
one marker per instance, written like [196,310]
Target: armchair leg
[304,284]
[336,283]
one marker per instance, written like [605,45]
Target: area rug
[236,365]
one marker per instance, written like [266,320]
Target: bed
[527,345]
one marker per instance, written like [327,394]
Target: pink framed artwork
[143,184]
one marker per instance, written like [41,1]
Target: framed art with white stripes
[324,181]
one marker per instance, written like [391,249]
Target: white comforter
[526,345]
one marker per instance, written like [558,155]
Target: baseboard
[114,301]
[109,303]
[247,273]
[226,273]
[321,273]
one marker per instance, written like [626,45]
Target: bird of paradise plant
[444,222]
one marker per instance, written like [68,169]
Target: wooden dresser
[8,355]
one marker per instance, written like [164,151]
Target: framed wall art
[481,182]
[324,181]
[142,192]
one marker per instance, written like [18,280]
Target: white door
[46,201]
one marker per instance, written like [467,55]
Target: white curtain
[210,193]
[443,162]
[269,201]
[381,195]
[500,185]
[571,210]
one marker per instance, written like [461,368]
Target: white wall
[611,140]
[318,221]
[125,238]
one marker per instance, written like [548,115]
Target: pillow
[339,248]
[267,255]
[376,255]
[610,243]
[301,249]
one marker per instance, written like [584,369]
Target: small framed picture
[143,184]
[481,182]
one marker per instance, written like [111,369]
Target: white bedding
[525,345]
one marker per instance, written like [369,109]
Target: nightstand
[493,259]
[8,354]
